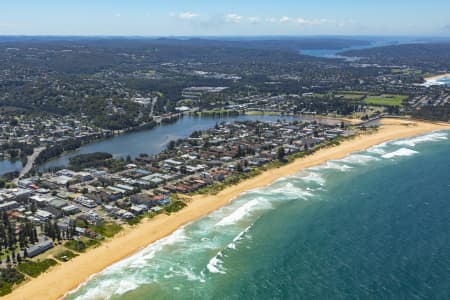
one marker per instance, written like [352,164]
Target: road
[30,161]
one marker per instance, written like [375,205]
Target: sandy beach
[67,276]
[434,80]
[437,77]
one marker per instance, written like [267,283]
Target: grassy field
[355,96]
[34,269]
[107,229]
[81,245]
[386,100]
[266,113]
[65,255]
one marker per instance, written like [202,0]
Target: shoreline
[68,276]
[434,80]
[437,77]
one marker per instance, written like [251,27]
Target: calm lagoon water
[7,166]
[154,140]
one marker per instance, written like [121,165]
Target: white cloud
[233,18]
[311,22]
[117,15]
[285,19]
[300,21]
[254,20]
[186,15]
[271,20]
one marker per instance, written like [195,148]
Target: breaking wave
[432,137]
[244,210]
[400,152]
[359,159]
[215,264]
[332,165]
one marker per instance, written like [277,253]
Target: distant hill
[292,43]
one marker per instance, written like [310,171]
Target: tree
[171,145]
[183,169]
[33,207]
[281,154]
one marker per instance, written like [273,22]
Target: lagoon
[7,166]
[155,140]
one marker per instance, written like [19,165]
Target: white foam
[436,81]
[379,149]
[239,237]
[359,159]
[107,287]
[290,191]
[139,260]
[215,264]
[432,137]
[333,165]
[244,210]
[400,152]
[190,275]
[312,177]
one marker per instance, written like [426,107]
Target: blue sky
[227,17]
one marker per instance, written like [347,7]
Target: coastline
[434,80]
[437,77]
[67,276]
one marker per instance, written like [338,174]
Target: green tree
[281,154]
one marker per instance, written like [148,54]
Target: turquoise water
[374,225]
[445,81]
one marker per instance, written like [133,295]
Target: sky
[225,18]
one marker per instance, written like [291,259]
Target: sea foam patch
[215,264]
[432,137]
[108,284]
[359,159]
[312,177]
[244,210]
[400,152]
[332,165]
[379,149]
[289,191]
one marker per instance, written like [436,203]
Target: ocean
[440,81]
[445,81]
[374,225]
